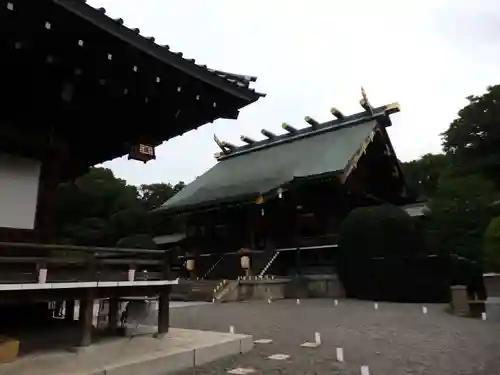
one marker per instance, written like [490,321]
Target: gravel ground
[395,339]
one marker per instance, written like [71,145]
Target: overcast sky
[428,55]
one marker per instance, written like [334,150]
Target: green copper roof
[257,172]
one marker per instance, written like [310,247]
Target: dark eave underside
[123,88]
[235,84]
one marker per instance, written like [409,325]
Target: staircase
[194,290]
[269,263]
[212,267]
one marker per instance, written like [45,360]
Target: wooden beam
[268,134]
[97,249]
[312,122]
[290,129]
[247,140]
[339,115]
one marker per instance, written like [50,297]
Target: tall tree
[460,211]
[154,195]
[98,209]
[422,175]
[492,245]
[474,137]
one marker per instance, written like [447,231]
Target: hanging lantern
[245,262]
[142,152]
[280,193]
[190,265]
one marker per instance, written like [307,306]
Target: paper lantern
[245,262]
[190,264]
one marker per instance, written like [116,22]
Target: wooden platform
[86,284]
[143,354]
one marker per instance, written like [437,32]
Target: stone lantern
[190,267]
[245,264]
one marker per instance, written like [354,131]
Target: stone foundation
[310,286]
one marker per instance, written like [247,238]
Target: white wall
[19,179]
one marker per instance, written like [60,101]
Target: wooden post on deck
[164,301]
[86,317]
[69,314]
[47,195]
[113,314]
[163,310]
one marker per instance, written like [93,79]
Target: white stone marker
[231,329]
[483,316]
[42,275]
[241,371]
[340,354]
[375,306]
[336,303]
[298,301]
[365,370]
[317,338]
[424,309]
[279,357]
[263,341]
[309,345]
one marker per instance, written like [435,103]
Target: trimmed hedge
[383,256]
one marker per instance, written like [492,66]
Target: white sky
[428,55]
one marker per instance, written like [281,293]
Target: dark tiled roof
[262,167]
[234,83]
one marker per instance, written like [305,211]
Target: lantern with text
[142,153]
[190,265]
[245,264]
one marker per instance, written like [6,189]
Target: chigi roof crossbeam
[315,127]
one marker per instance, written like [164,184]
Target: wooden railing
[28,262]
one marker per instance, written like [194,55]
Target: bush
[138,241]
[383,256]
[492,245]
[380,231]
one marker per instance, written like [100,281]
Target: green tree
[492,245]
[98,209]
[154,195]
[473,139]
[422,175]
[460,211]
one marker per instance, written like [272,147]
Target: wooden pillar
[47,194]
[86,317]
[296,223]
[69,314]
[164,310]
[164,301]
[113,314]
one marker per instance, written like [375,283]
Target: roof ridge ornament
[289,128]
[339,115]
[247,140]
[365,103]
[268,134]
[222,145]
[314,124]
